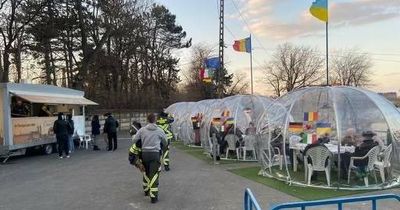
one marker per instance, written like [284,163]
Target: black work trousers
[112,137]
[152,165]
[62,141]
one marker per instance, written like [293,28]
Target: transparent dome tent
[238,110]
[340,119]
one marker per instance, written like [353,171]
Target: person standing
[153,142]
[95,131]
[60,128]
[164,122]
[110,127]
[71,130]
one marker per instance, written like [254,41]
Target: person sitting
[324,139]
[251,130]
[351,138]
[231,130]
[367,144]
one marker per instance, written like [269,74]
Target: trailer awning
[53,99]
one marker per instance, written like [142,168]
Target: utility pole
[220,50]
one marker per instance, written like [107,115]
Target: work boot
[166,168]
[154,200]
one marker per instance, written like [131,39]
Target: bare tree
[351,68]
[239,85]
[293,67]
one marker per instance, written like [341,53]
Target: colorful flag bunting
[319,9]
[295,127]
[243,45]
[310,116]
[311,138]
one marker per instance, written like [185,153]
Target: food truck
[27,114]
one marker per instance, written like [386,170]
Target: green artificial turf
[198,152]
[304,193]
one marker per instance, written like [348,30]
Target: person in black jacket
[95,131]
[360,151]
[110,127]
[61,128]
[71,130]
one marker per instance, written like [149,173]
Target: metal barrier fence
[250,202]
[338,201]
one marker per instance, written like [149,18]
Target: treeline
[118,51]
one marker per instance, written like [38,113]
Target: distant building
[391,96]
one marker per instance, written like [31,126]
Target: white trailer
[34,129]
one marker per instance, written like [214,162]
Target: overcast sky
[372,26]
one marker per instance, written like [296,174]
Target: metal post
[214,148]
[327,56]
[220,49]
[251,66]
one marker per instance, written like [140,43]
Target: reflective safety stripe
[150,183]
[134,149]
[146,184]
[165,160]
[153,190]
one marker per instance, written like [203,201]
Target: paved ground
[105,180]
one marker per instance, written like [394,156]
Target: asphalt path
[105,180]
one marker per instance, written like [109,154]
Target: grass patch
[304,193]
[198,153]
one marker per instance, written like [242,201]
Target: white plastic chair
[249,142]
[231,140]
[269,154]
[372,156]
[385,163]
[318,155]
[84,140]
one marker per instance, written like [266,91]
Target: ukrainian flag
[243,45]
[319,9]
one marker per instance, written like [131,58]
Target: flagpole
[251,66]
[327,51]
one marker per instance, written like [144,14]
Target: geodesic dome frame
[343,108]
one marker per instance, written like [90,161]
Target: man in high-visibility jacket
[148,144]
[164,120]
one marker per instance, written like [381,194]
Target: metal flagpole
[251,66]
[327,59]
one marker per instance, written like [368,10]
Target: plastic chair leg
[366,181]
[328,176]
[310,172]
[382,172]
[348,176]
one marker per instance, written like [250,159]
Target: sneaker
[61,157]
[68,156]
[154,200]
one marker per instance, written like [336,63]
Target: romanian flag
[310,116]
[323,128]
[243,45]
[319,9]
[295,127]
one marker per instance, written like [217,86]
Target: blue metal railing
[250,201]
[338,201]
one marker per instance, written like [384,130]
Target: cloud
[263,22]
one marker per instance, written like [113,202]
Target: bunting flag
[310,116]
[243,45]
[311,138]
[210,66]
[295,127]
[323,128]
[229,121]
[319,9]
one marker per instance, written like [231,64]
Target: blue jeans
[71,143]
